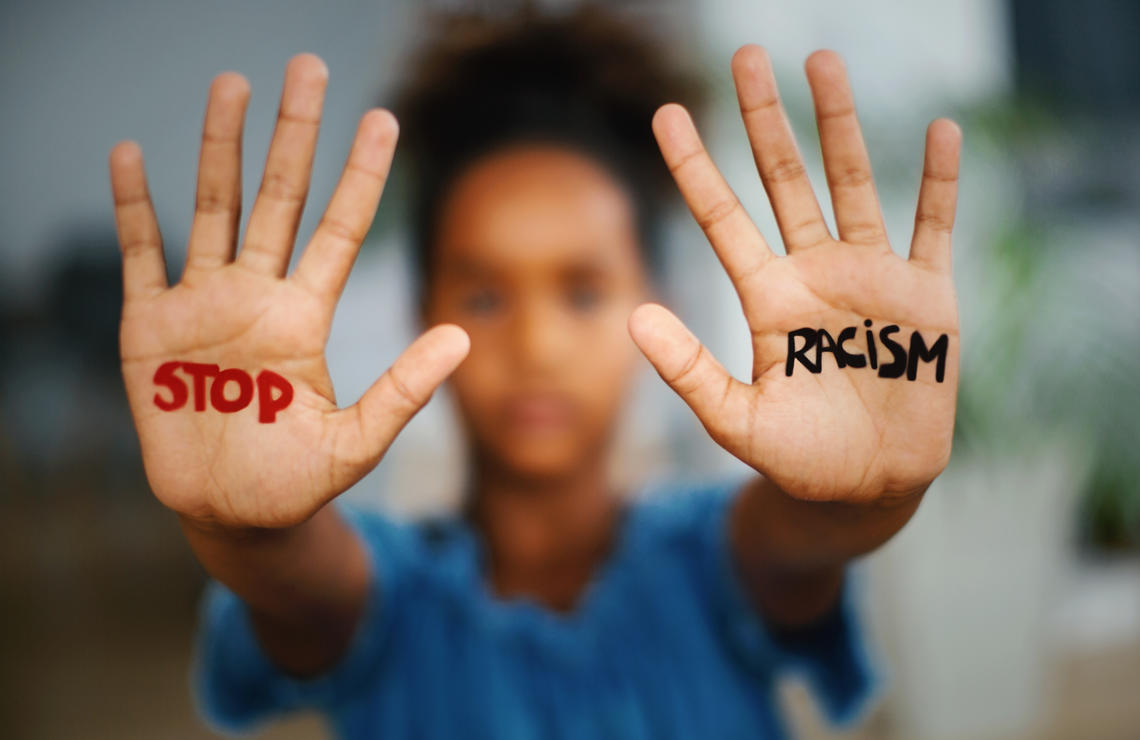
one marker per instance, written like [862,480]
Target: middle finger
[277,211]
[777,157]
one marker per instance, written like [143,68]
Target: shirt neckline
[515,611]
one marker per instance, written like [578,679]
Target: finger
[217,206]
[735,239]
[325,264]
[367,428]
[858,216]
[938,196]
[719,400]
[144,268]
[285,184]
[774,148]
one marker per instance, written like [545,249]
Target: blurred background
[1009,607]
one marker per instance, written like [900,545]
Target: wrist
[213,529]
[791,537]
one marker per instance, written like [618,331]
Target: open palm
[839,433]
[244,312]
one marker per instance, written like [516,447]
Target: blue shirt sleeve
[237,687]
[831,655]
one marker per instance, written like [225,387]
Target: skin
[538,257]
[540,289]
[845,455]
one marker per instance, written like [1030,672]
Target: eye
[482,302]
[584,297]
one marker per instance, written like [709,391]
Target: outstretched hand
[833,412]
[190,351]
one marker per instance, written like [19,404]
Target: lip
[535,412]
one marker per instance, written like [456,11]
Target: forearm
[305,585]
[792,553]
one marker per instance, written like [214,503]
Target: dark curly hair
[588,79]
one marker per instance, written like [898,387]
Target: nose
[541,341]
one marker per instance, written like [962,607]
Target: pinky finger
[938,196]
[144,268]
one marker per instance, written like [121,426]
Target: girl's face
[537,258]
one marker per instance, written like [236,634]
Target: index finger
[326,262]
[737,242]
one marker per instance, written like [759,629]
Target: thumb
[719,400]
[368,427]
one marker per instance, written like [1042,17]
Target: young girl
[551,606]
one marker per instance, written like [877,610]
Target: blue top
[663,643]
